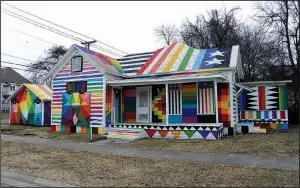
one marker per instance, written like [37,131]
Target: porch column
[167,104]
[104,102]
[113,100]
[216,101]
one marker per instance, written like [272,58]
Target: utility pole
[87,43]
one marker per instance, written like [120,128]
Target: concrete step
[124,134]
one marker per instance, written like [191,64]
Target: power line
[37,24]
[54,30]
[15,64]
[65,28]
[17,57]
[18,68]
[27,34]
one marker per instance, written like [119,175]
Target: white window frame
[198,110]
[171,99]
[81,65]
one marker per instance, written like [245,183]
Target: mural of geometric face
[26,109]
[76,109]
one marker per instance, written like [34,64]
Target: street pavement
[13,179]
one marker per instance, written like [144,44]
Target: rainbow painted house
[31,105]
[174,92]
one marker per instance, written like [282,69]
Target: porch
[180,106]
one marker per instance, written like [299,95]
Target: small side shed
[31,105]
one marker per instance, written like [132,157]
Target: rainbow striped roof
[107,63]
[43,92]
[180,57]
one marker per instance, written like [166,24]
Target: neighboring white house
[10,81]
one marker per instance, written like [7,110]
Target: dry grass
[3,117]
[45,132]
[89,169]
[271,144]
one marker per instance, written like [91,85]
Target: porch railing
[114,119]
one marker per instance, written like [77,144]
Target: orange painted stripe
[250,115]
[162,58]
[262,97]
[173,59]
[144,67]
[45,90]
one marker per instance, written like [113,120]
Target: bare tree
[218,29]
[259,54]
[166,33]
[40,69]
[282,18]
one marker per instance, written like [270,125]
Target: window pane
[71,87]
[76,64]
[143,99]
[143,117]
[81,86]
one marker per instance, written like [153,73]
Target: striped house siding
[234,100]
[94,80]
[132,63]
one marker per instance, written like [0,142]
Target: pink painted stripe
[162,58]
[144,67]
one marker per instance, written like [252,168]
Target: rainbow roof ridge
[107,63]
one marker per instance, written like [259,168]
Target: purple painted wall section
[47,113]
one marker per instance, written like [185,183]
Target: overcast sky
[127,26]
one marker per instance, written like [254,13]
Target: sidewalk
[13,179]
[280,162]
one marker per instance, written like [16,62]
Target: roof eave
[182,72]
[220,78]
[283,82]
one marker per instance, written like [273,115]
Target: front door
[143,105]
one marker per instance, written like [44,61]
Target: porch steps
[126,134]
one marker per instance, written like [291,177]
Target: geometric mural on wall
[263,98]
[158,104]
[224,103]
[26,108]
[266,106]
[189,103]
[129,104]
[108,106]
[76,109]
[203,131]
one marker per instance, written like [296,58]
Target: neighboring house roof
[132,63]
[41,91]
[8,75]
[107,63]
[178,57]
